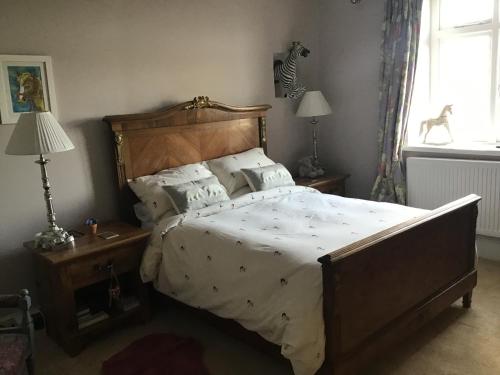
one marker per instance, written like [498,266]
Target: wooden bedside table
[334,184]
[76,280]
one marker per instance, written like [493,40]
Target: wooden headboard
[189,132]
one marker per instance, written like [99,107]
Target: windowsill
[469,149]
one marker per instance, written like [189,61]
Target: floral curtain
[399,59]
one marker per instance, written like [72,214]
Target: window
[459,65]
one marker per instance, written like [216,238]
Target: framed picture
[26,85]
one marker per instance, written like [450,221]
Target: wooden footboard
[382,288]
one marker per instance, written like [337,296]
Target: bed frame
[376,291]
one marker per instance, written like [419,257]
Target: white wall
[350,38]
[115,57]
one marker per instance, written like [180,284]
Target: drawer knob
[105,268]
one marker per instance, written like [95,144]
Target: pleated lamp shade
[38,133]
[313,104]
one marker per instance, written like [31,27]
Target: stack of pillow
[194,186]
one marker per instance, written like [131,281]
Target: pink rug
[158,354]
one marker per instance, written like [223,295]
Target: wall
[115,57]
[349,69]
[488,247]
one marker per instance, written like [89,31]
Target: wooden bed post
[263,133]
[467,300]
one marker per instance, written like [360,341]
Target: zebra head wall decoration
[285,71]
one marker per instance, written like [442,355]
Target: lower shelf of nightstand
[76,340]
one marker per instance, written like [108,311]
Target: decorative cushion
[268,177]
[149,189]
[195,195]
[14,349]
[228,168]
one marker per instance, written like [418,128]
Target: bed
[375,289]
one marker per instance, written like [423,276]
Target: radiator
[433,182]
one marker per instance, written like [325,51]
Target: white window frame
[436,34]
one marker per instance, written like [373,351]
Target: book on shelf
[91,319]
[82,311]
[129,303]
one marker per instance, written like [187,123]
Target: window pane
[421,92]
[464,12]
[465,82]
[497,102]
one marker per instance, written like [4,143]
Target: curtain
[397,77]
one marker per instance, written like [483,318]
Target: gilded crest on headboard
[199,102]
[118,145]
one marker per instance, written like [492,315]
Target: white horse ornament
[442,120]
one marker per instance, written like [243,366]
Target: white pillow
[195,195]
[144,215]
[149,189]
[228,168]
[265,178]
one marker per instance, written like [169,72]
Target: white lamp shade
[313,104]
[38,133]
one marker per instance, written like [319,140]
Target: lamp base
[53,238]
[310,168]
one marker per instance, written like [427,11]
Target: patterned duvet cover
[254,259]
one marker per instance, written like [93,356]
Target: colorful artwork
[26,88]
[26,85]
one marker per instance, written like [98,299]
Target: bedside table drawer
[325,184]
[98,268]
[335,190]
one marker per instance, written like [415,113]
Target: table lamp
[314,105]
[39,133]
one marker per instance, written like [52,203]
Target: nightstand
[73,284]
[334,184]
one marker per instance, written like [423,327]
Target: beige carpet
[465,342]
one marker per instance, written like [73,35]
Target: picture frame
[26,85]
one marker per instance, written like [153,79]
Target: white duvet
[254,259]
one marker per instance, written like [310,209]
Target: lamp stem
[51,215]
[315,123]
[54,236]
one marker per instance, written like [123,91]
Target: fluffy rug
[159,354]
